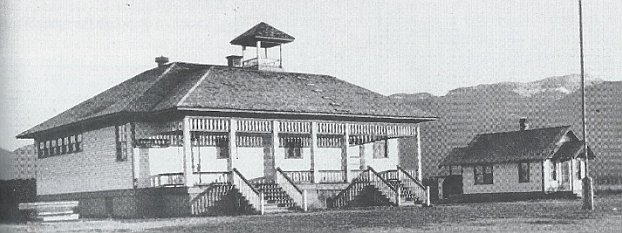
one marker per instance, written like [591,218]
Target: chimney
[234,61]
[161,60]
[523,124]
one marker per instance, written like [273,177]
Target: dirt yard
[529,216]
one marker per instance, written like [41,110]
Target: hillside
[465,112]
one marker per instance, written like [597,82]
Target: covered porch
[197,150]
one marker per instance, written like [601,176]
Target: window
[222,148]
[455,170]
[523,172]
[578,170]
[59,146]
[553,171]
[380,149]
[121,139]
[483,174]
[293,148]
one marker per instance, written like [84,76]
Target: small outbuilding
[515,165]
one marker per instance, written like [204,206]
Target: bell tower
[267,41]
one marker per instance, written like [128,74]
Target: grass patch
[526,216]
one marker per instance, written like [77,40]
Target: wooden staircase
[412,191]
[392,187]
[234,194]
[408,197]
[276,200]
[367,189]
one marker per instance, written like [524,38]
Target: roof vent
[161,60]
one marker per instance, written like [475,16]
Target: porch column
[275,143]
[233,149]
[258,53]
[345,158]
[362,157]
[314,171]
[187,151]
[419,171]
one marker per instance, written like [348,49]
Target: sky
[56,54]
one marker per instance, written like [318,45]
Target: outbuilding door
[452,185]
[566,176]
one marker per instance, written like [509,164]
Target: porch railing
[264,62]
[167,179]
[254,197]
[298,195]
[299,177]
[206,178]
[331,176]
[413,184]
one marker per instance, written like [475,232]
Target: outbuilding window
[523,172]
[483,174]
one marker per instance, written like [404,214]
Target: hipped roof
[269,36]
[197,87]
[525,145]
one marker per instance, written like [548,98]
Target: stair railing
[365,178]
[298,195]
[209,198]
[413,184]
[375,179]
[347,195]
[254,197]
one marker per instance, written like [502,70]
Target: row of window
[484,173]
[60,146]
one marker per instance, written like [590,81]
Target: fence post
[426,203]
[261,207]
[304,201]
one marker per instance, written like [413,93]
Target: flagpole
[588,190]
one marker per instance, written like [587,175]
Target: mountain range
[465,112]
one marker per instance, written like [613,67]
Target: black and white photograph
[311,116]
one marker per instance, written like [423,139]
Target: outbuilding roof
[197,87]
[524,145]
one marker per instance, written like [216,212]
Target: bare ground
[527,216]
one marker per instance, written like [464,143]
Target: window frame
[554,171]
[293,148]
[58,145]
[121,143]
[222,148]
[380,154]
[524,174]
[487,178]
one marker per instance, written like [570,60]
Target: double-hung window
[483,174]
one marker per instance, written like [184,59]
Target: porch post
[233,150]
[275,143]
[345,158]
[362,157]
[187,150]
[313,148]
[258,53]
[419,171]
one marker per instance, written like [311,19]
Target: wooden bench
[50,211]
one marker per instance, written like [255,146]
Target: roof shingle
[535,144]
[207,87]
